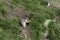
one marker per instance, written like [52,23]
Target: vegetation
[9,28]
[3,8]
[14,3]
[40,14]
[54,31]
[4,11]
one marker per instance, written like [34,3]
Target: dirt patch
[26,32]
[18,11]
[55,3]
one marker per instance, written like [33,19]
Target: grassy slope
[9,27]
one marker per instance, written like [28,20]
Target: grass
[14,3]
[54,31]
[4,11]
[3,8]
[40,14]
[9,28]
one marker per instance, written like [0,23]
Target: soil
[56,4]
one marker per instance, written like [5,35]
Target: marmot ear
[26,16]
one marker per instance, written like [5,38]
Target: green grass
[3,9]
[9,29]
[54,31]
[40,14]
[14,3]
